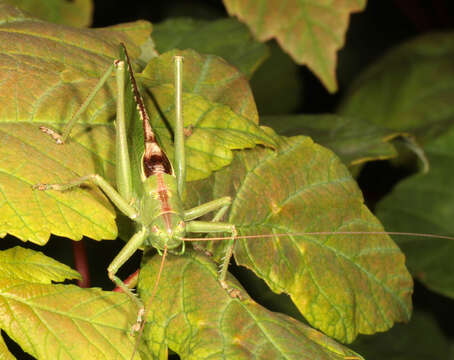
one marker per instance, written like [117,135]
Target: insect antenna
[433,236]
[142,317]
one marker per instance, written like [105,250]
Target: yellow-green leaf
[195,317]
[47,71]
[343,284]
[74,13]
[25,264]
[29,157]
[62,321]
[310,31]
[219,111]
[203,75]
[4,352]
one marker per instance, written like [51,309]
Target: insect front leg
[126,252]
[134,243]
[221,204]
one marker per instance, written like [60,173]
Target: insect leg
[213,227]
[60,139]
[98,180]
[222,204]
[126,252]
[180,160]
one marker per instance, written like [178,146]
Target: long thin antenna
[433,236]
[147,307]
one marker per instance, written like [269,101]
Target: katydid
[159,216]
[161,221]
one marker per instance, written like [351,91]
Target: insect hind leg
[219,227]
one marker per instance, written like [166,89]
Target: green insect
[156,207]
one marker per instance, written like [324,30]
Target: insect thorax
[162,212]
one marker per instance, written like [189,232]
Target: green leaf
[424,204]
[237,45]
[219,118]
[73,13]
[409,89]
[310,32]
[355,141]
[338,282]
[205,75]
[195,317]
[28,265]
[61,321]
[47,71]
[30,157]
[421,339]
[278,75]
